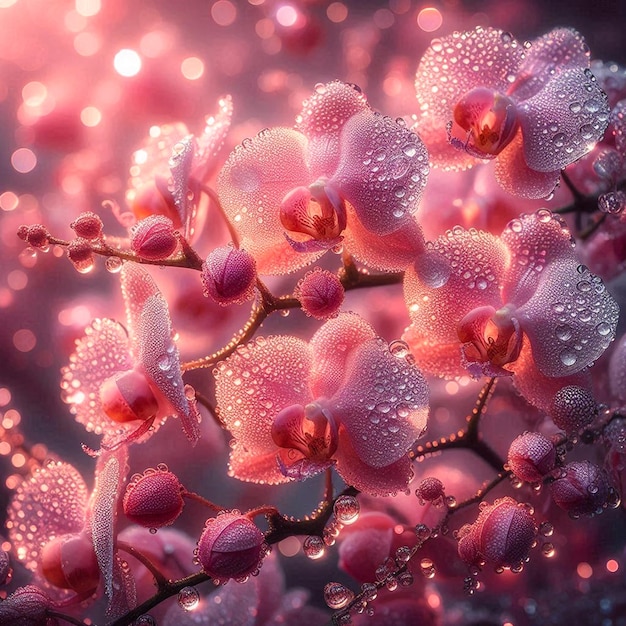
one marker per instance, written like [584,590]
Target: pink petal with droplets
[617,370]
[255,465]
[442,154]
[181,163]
[570,319]
[124,596]
[558,50]
[321,120]
[455,64]
[382,171]
[137,287]
[159,356]
[534,241]
[211,140]
[51,503]
[537,388]
[111,472]
[332,347]
[382,405]
[563,121]
[105,342]
[517,178]
[256,382]
[469,266]
[256,177]
[376,481]
[388,253]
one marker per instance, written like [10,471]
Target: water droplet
[559,140]
[369,591]
[164,362]
[575,107]
[568,357]
[422,531]
[337,596]
[547,549]
[113,264]
[145,620]
[188,598]
[399,349]
[314,547]
[563,332]
[516,226]
[346,509]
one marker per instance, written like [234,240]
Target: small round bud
[573,408]
[229,275]
[26,606]
[612,202]
[583,490]
[154,499]
[22,232]
[430,489]
[81,255]
[320,293]
[503,534]
[531,457]
[231,546]
[38,236]
[69,562]
[88,226]
[128,396]
[154,238]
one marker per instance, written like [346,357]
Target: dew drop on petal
[337,596]
[188,598]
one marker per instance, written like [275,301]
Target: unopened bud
[583,490]
[154,238]
[81,255]
[229,275]
[320,293]
[531,456]
[88,226]
[573,408]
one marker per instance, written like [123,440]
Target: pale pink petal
[377,481]
[211,140]
[102,512]
[257,465]
[440,359]
[124,596]
[321,120]
[570,319]
[387,253]
[537,388]
[256,382]
[461,271]
[442,154]
[137,287]
[382,404]
[517,178]
[534,240]
[252,184]
[382,171]
[105,342]
[564,120]
[332,346]
[558,50]
[51,503]
[159,356]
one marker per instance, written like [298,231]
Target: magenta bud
[531,457]
[22,232]
[430,489]
[584,489]
[320,293]
[573,408]
[154,238]
[26,606]
[81,255]
[468,548]
[229,276]
[231,546]
[154,498]
[38,236]
[87,225]
[503,534]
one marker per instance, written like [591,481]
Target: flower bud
[229,275]
[154,499]
[231,546]
[583,490]
[88,226]
[69,562]
[26,606]
[573,408]
[430,489]
[531,457]
[503,534]
[154,238]
[81,255]
[37,236]
[22,232]
[320,293]
[128,396]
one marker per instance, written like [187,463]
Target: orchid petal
[252,184]
[570,319]
[382,171]
[564,120]
[323,115]
[382,405]
[181,163]
[255,465]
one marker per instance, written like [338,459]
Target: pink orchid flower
[520,303]
[66,536]
[123,382]
[343,399]
[534,109]
[346,176]
[169,170]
